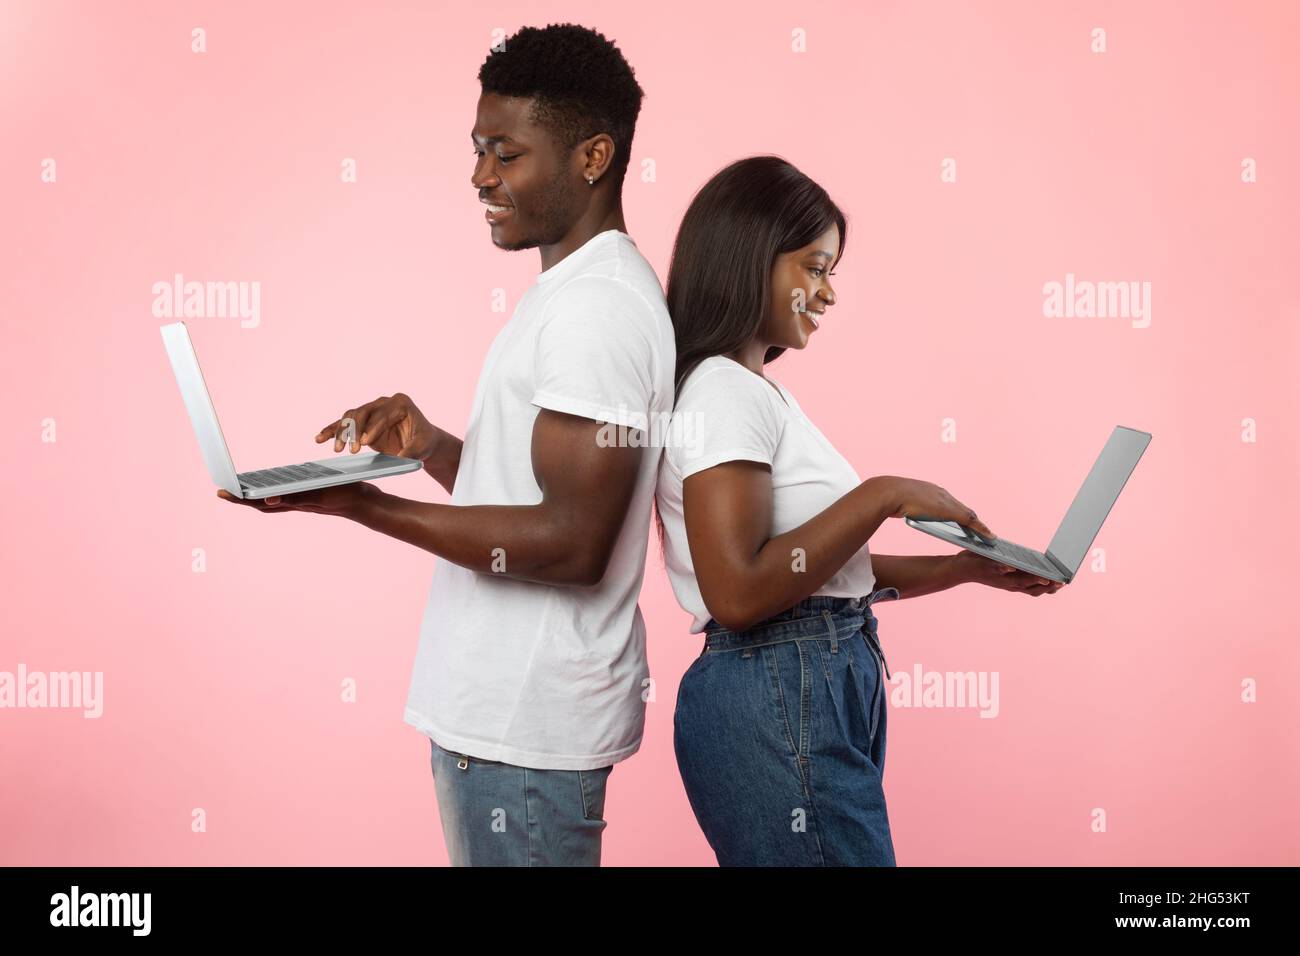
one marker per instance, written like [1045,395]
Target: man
[531,664]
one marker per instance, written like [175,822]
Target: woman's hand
[341,500]
[391,426]
[921,499]
[978,569]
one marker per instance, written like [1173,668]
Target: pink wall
[222,688]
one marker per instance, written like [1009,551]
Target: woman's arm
[915,575]
[745,575]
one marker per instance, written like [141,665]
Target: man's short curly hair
[580,81]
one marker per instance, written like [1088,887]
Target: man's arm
[444,464]
[566,539]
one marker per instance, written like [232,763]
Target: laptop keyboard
[268,477]
[1021,554]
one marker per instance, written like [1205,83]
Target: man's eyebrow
[491,140]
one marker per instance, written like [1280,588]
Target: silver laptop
[283,480]
[1078,528]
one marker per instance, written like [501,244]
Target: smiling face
[529,183]
[801,291]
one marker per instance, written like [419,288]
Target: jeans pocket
[788,695]
[592,785]
[864,665]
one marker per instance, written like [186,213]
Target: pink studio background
[222,689]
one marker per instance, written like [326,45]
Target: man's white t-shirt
[725,413]
[543,676]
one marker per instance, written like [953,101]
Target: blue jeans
[780,738]
[498,814]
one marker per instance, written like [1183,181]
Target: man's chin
[514,245]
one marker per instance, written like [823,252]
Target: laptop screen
[1093,502]
[194,391]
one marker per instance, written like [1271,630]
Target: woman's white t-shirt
[723,413]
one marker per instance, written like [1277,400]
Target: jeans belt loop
[875,643]
[885,594]
[830,628]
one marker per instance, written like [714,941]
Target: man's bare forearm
[915,575]
[525,542]
[444,464]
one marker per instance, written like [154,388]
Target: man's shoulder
[624,298]
[626,287]
[619,270]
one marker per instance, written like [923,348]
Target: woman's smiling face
[801,291]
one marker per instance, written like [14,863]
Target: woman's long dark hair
[720,281]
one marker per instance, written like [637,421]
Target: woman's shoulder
[724,410]
[719,378]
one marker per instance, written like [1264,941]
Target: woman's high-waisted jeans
[780,738]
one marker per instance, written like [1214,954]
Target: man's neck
[583,231]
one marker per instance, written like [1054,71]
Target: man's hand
[391,426]
[341,500]
[981,570]
[394,426]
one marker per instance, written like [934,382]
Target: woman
[779,729]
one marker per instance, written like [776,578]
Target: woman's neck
[751,356]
